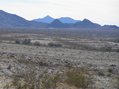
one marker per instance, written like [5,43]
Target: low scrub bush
[78,79]
[110,70]
[116,85]
[36,44]
[106,48]
[17,41]
[101,73]
[117,50]
[54,44]
[26,41]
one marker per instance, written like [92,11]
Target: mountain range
[49,19]
[13,20]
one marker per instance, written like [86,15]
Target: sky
[98,11]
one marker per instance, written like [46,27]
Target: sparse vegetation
[31,80]
[106,48]
[117,83]
[61,53]
[54,44]
[101,73]
[26,41]
[37,44]
[110,70]
[117,50]
[17,41]
[78,79]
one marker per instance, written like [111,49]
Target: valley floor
[94,51]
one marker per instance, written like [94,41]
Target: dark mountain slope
[86,24]
[12,20]
[110,26]
[56,24]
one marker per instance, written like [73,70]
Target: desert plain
[59,50]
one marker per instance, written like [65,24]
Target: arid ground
[60,50]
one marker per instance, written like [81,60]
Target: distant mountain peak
[86,20]
[46,19]
[56,24]
[68,20]
[47,16]
[2,11]
[56,20]
[86,24]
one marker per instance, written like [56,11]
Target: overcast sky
[98,11]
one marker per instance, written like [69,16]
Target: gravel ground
[96,61]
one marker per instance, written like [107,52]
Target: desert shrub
[51,44]
[17,41]
[42,62]
[116,40]
[50,81]
[37,43]
[101,73]
[69,65]
[78,79]
[117,50]
[116,84]
[9,67]
[58,45]
[25,61]
[26,41]
[106,48]
[110,70]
